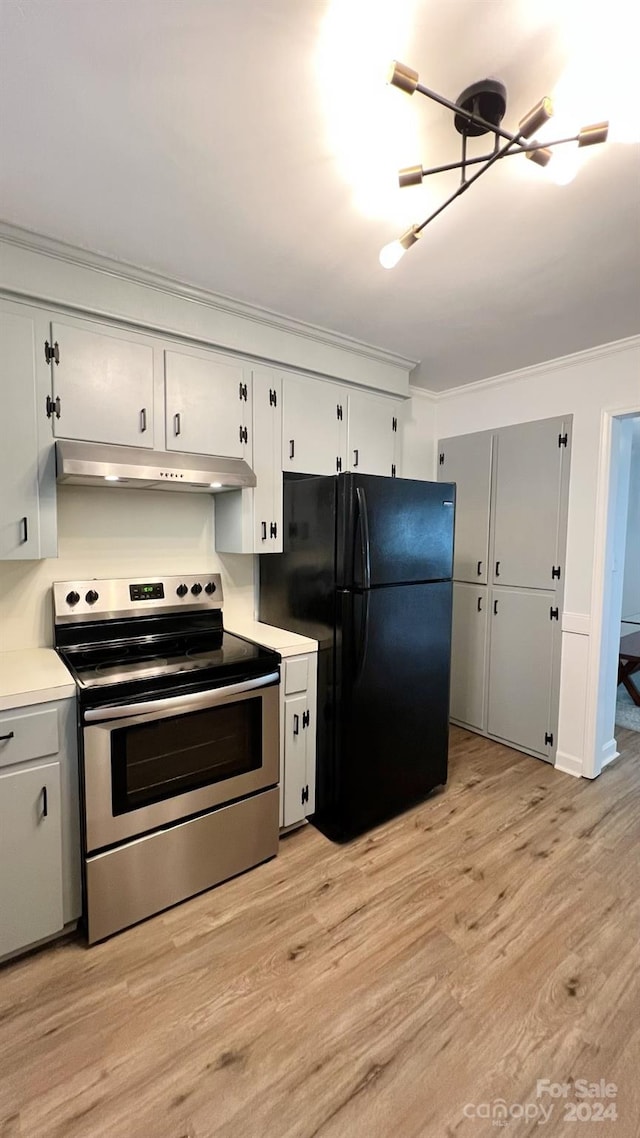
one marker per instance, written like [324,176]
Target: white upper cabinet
[208,404]
[531,468]
[466,460]
[27,469]
[314,420]
[102,384]
[250,521]
[373,431]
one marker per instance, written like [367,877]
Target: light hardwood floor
[482,941]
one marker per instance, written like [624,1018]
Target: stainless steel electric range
[179,742]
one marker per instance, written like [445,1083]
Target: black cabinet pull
[9,736]
[143,419]
[479,604]
[296,724]
[264,530]
[24,525]
[356,457]
[176,423]
[479,569]
[292,448]
[495,608]
[45,802]
[497,568]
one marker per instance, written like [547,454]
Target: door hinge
[338,464]
[394,424]
[305,718]
[554,614]
[305,795]
[393,469]
[548,739]
[273,532]
[563,440]
[339,411]
[441,458]
[51,352]
[244,435]
[53,405]
[555,572]
[273,398]
[243,391]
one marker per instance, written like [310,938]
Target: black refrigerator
[366,571]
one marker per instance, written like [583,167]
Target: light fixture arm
[461,112]
[469,182]
[522,149]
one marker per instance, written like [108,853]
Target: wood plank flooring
[453,957]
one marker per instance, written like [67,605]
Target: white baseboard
[569,764]
[609,753]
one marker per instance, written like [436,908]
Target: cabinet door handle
[296,724]
[24,526]
[143,419]
[9,736]
[264,530]
[176,423]
[479,604]
[479,568]
[45,802]
[497,568]
[292,448]
[495,608]
[356,457]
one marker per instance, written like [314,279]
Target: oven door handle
[179,702]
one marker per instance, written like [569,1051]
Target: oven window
[157,760]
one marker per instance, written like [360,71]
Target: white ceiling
[250,147]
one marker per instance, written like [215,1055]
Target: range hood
[92,464]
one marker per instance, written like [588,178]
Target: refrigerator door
[391,705]
[393,531]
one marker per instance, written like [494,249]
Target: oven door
[147,765]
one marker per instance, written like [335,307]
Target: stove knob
[72,598]
[182,590]
[210,588]
[91,597]
[196,589]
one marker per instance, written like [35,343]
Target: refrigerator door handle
[364,637]
[365,547]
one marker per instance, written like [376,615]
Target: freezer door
[393,531]
[391,703]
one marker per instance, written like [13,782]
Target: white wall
[631,587]
[109,532]
[585,385]
[418,420]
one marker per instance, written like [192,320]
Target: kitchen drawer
[296,675]
[30,735]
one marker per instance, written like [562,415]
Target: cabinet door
[30,856]
[528,483]
[466,460]
[295,758]
[105,385]
[19,496]
[469,654]
[372,438]
[520,668]
[314,418]
[267,450]
[207,400]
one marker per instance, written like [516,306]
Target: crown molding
[423,393]
[226,307]
[559,363]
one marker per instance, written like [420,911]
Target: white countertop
[33,675]
[286,643]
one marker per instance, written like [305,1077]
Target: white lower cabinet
[523,627]
[298,738]
[469,654]
[39,824]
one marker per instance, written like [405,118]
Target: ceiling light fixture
[479,110]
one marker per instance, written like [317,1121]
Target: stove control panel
[100,600]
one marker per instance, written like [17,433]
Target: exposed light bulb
[391,254]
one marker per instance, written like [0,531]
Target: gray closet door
[466,460]
[468,654]
[520,668]
[528,464]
